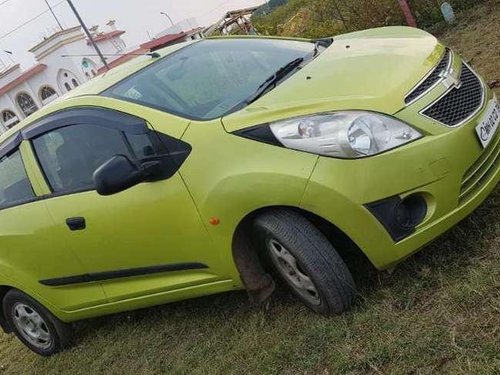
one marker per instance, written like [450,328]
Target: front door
[148,239]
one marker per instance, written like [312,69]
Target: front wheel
[305,260]
[34,325]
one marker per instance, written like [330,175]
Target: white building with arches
[65,60]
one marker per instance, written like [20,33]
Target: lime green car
[211,165]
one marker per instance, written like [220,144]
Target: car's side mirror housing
[118,174]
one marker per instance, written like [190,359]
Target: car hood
[371,70]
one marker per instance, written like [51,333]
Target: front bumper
[436,166]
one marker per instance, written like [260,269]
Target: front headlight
[347,135]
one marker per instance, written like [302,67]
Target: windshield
[207,79]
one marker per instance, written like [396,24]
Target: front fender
[229,177]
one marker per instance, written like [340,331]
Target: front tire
[34,325]
[305,260]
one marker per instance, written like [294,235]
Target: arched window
[47,94]
[67,80]
[7,115]
[26,103]
[89,68]
[9,119]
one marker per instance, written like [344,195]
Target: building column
[34,95]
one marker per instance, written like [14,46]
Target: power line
[4,2]
[53,14]
[28,21]
[223,3]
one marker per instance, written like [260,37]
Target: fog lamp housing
[400,216]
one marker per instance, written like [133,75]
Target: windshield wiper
[273,80]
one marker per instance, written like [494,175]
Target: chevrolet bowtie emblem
[449,79]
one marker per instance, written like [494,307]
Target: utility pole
[77,15]
[54,15]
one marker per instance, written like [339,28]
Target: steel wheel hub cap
[289,268]
[31,326]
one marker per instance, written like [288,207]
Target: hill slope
[320,18]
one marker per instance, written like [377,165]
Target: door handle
[76,223]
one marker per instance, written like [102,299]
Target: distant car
[188,173]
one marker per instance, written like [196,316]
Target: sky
[136,17]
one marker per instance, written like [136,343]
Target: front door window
[15,188]
[69,156]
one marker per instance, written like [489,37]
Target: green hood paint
[373,70]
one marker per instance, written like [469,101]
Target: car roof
[97,85]
[115,75]
[106,80]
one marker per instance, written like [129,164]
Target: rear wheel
[34,325]
[305,260]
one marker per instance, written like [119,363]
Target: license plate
[488,126]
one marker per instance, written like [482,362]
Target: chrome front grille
[460,103]
[481,171]
[431,80]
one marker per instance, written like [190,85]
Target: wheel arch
[3,321]
[334,234]
[257,282]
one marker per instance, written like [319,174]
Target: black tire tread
[313,251]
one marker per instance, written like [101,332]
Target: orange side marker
[214,220]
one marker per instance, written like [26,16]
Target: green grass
[438,312]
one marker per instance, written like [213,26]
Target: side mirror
[117,174]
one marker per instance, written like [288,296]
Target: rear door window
[15,187]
